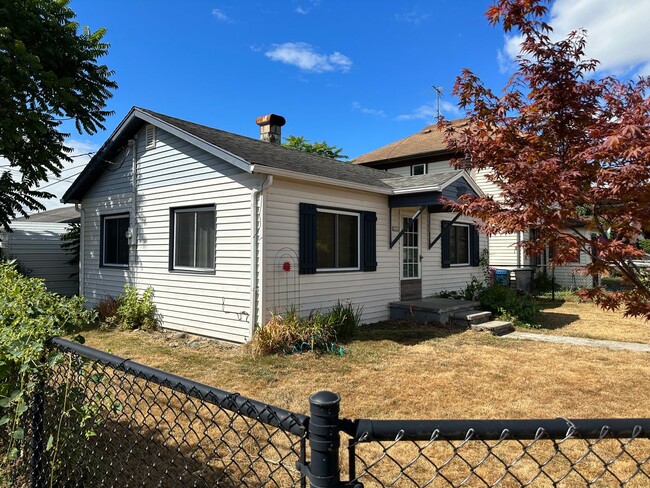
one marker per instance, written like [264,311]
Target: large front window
[193,238]
[115,243]
[337,240]
[459,244]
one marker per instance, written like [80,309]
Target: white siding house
[36,243]
[227,229]
[426,152]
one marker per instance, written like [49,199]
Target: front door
[411,267]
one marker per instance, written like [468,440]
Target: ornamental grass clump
[289,332]
[30,315]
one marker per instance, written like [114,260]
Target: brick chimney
[271,128]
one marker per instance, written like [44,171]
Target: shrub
[504,300]
[29,316]
[107,308]
[133,311]
[344,319]
[290,333]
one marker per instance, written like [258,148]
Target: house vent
[151,136]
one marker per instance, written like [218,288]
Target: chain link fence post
[37,442]
[324,440]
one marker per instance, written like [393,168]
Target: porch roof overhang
[432,190]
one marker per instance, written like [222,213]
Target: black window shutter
[445,242]
[475,255]
[369,241]
[307,239]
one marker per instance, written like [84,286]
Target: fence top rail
[291,422]
[530,429]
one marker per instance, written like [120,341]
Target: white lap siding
[372,290]
[435,278]
[177,174]
[37,245]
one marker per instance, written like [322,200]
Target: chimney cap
[270,119]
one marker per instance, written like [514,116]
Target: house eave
[267,170]
[89,175]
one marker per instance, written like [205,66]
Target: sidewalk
[580,341]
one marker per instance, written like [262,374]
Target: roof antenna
[438,90]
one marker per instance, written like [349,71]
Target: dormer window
[419,169]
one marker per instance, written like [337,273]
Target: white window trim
[469,247]
[173,238]
[354,214]
[103,261]
[424,165]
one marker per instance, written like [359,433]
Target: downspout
[82,279]
[257,235]
[518,249]
[133,229]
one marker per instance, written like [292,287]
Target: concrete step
[494,327]
[469,318]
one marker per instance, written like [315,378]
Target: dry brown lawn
[586,320]
[399,370]
[409,371]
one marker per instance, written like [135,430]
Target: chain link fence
[495,453]
[543,280]
[105,421]
[100,420]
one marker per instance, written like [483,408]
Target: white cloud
[429,112]
[617,32]
[307,7]
[304,56]
[220,15]
[368,111]
[412,17]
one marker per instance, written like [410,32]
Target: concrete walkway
[580,341]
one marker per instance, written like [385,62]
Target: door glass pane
[348,229]
[410,250]
[325,240]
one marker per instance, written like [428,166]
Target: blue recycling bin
[502,277]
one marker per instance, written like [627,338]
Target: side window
[336,240]
[192,238]
[418,169]
[114,241]
[460,245]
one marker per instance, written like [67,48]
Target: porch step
[431,309]
[494,327]
[467,319]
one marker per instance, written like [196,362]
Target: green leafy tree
[48,73]
[320,148]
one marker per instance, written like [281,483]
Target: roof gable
[248,154]
[430,140]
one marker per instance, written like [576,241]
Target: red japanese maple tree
[568,151]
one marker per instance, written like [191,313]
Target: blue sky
[357,74]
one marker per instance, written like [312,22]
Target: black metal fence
[100,420]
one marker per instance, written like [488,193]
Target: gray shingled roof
[63,215]
[421,181]
[253,151]
[262,153]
